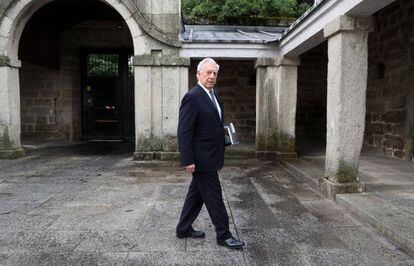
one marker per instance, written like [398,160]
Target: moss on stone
[276,141]
[330,188]
[286,143]
[261,142]
[170,144]
[5,142]
[8,148]
[166,144]
[272,141]
[4,60]
[12,154]
[149,144]
[346,173]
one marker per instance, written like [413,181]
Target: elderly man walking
[201,144]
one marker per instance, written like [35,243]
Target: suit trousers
[205,188]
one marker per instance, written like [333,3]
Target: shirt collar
[204,88]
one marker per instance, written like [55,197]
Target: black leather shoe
[192,234]
[231,243]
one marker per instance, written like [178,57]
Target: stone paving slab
[46,241]
[387,218]
[66,258]
[71,206]
[136,241]
[206,257]
[329,213]
[403,198]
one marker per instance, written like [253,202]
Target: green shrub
[248,12]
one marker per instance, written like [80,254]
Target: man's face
[208,75]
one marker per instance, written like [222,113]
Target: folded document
[230,136]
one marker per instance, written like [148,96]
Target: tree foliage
[241,11]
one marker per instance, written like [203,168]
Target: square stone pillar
[160,84]
[346,106]
[10,147]
[276,89]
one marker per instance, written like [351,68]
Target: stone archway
[156,51]
[13,22]
[18,12]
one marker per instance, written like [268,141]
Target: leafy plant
[242,11]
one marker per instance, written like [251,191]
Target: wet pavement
[91,204]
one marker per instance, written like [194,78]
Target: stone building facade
[390,92]
[388,123]
[85,69]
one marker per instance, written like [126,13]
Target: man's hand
[190,168]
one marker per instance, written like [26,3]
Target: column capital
[348,23]
[6,61]
[150,60]
[276,61]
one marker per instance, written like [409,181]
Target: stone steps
[394,222]
[240,151]
[374,207]
[304,170]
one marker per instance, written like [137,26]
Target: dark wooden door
[107,95]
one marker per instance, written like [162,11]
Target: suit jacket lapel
[207,98]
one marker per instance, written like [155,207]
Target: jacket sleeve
[186,124]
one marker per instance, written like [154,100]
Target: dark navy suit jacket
[200,131]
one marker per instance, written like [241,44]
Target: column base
[12,154]
[275,155]
[156,155]
[329,188]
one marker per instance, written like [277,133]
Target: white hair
[204,62]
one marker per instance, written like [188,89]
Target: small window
[130,66]
[103,65]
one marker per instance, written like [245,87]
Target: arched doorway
[76,80]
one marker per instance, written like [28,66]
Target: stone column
[276,89]
[346,106]
[10,147]
[160,84]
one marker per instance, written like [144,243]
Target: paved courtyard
[93,205]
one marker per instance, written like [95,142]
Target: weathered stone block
[394,142]
[374,128]
[329,189]
[40,110]
[50,93]
[43,102]
[41,119]
[399,154]
[394,116]
[348,23]
[44,127]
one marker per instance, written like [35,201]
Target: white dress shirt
[215,100]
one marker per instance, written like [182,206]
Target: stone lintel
[348,23]
[329,188]
[276,61]
[6,61]
[156,155]
[148,60]
[11,154]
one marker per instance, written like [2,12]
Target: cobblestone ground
[93,205]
